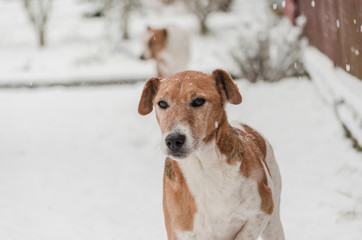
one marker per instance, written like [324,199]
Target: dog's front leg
[253,227]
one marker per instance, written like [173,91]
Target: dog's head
[189,108]
[154,41]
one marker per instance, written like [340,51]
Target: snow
[74,165]
[339,89]
[81,163]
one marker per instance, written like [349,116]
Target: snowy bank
[341,90]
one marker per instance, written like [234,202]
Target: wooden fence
[335,27]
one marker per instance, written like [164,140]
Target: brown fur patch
[168,169]
[259,141]
[252,167]
[249,148]
[178,203]
[229,143]
[157,41]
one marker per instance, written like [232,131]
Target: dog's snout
[175,141]
[142,57]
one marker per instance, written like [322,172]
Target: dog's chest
[224,198]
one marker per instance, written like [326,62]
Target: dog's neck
[225,141]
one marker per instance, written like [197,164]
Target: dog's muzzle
[175,143]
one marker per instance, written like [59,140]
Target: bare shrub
[118,13]
[168,1]
[225,5]
[273,53]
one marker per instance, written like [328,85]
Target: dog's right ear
[145,105]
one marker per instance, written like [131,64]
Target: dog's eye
[198,102]
[163,104]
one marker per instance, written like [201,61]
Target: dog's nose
[142,57]
[175,141]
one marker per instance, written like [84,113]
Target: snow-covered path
[82,164]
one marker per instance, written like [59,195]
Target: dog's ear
[225,84]
[145,105]
[164,31]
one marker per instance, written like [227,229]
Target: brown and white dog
[169,47]
[221,181]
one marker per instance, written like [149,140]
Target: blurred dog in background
[170,48]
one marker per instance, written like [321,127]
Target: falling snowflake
[355,51]
[337,23]
[348,67]
[312,3]
[275,6]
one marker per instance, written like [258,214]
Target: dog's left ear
[145,105]
[164,31]
[225,84]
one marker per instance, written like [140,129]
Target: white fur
[274,229]
[228,204]
[176,53]
[219,189]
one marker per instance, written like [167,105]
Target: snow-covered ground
[82,164]
[341,90]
